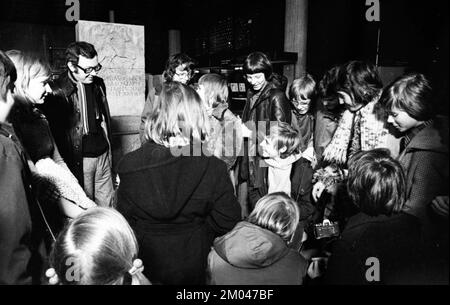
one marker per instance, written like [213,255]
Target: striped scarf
[81,90]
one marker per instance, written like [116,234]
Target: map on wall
[120,49]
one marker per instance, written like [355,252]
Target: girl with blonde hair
[32,128]
[176,198]
[96,248]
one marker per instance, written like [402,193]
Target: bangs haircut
[411,93]
[303,88]
[216,88]
[286,136]
[360,80]
[258,62]
[29,66]
[177,112]
[100,244]
[278,213]
[376,182]
[8,75]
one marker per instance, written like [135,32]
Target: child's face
[301,105]
[401,120]
[269,148]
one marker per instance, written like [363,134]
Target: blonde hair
[278,213]
[28,67]
[216,89]
[177,112]
[303,88]
[286,136]
[96,248]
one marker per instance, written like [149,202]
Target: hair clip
[138,266]
[52,276]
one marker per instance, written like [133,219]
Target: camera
[326,229]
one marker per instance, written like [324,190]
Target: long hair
[360,80]
[215,88]
[28,66]
[177,112]
[376,182]
[278,213]
[96,248]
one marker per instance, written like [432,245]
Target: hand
[317,190]
[317,267]
[440,206]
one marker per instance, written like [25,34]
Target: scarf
[371,134]
[83,107]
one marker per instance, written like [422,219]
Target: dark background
[413,34]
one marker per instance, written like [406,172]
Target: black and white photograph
[224,151]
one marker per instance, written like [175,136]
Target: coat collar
[428,138]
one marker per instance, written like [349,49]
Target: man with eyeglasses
[179,68]
[79,117]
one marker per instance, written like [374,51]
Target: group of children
[99,246]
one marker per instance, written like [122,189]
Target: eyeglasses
[90,69]
[301,102]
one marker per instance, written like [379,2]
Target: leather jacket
[62,110]
[271,105]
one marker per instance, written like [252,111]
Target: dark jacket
[394,241]
[271,105]
[21,231]
[325,124]
[176,206]
[302,171]
[33,130]
[63,113]
[251,255]
[425,160]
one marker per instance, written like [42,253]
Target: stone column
[295,36]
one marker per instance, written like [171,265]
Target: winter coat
[251,255]
[21,229]
[390,245]
[176,205]
[425,161]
